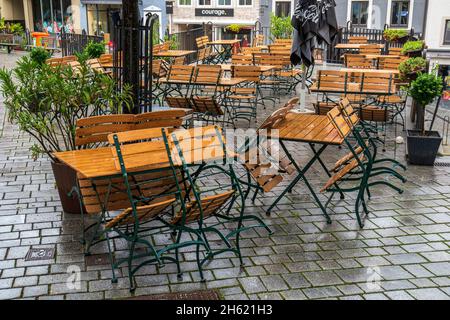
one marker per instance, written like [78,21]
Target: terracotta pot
[66,179]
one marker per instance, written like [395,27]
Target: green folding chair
[214,192]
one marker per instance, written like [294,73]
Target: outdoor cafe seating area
[172,171]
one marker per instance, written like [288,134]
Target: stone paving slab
[403,252]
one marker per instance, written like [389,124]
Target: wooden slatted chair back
[357,61]
[179,102]
[279,115]
[94,130]
[249,73]
[206,105]
[201,54]
[377,82]
[332,80]
[105,58]
[207,74]
[165,46]
[348,111]
[286,42]
[339,122]
[251,50]
[157,119]
[370,49]
[159,68]
[279,61]
[258,40]
[243,59]
[209,204]
[395,51]
[202,144]
[358,40]
[201,41]
[68,59]
[157,47]
[95,65]
[179,60]
[181,73]
[390,63]
[54,62]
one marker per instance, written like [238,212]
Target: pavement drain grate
[189,295]
[40,254]
[96,260]
[442,164]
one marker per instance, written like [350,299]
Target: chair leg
[111,258]
[130,270]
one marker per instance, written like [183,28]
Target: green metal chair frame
[208,169]
[358,165]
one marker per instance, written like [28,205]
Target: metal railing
[72,43]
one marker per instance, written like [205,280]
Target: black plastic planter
[422,150]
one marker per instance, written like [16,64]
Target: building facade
[437,35]
[93,16]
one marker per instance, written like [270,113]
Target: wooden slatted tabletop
[224,82]
[227,67]
[151,155]
[354,46]
[223,42]
[173,53]
[389,71]
[314,88]
[308,128]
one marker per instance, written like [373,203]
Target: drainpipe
[425,17]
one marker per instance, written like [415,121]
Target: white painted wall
[438,12]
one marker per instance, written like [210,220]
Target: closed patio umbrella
[313,21]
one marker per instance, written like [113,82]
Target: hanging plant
[235,28]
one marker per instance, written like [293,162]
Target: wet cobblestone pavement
[402,252]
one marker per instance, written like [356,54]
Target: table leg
[326,170]
[301,175]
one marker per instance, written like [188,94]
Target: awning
[101,1]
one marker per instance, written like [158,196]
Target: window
[400,13]
[52,15]
[204,2]
[184,2]
[245,2]
[224,2]
[360,12]
[283,8]
[447,32]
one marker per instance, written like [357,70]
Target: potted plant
[92,51]
[410,68]
[46,102]
[395,35]
[413,48]
[280,27]
[423,145]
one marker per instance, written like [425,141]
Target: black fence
[333,55]
[135,67]
[185,40]
[72,43]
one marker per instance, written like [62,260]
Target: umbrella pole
[302,90]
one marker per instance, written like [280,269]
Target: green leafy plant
[411,46]
[424,90]
[2,25]
[46,101]
[233,28]
[173,41]
[38,55]
[394,34]
[16,28]
[280,27]
[95,49]
[411,66]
